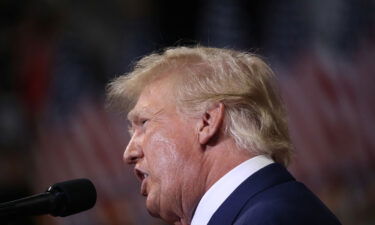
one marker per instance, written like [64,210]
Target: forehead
[153,98]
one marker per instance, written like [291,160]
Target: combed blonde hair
[243,82]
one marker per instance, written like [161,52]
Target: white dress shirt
[221,190]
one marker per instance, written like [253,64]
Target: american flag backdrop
[57,56]
[331,109]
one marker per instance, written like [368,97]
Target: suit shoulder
[288,203]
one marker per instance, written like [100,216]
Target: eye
[144,121]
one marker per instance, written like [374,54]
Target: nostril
[131,160]
[131,156]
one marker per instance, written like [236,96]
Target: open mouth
[142,175]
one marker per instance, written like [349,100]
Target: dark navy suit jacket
[272,196]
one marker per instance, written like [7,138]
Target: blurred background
[57,56]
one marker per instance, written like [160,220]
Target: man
[209,140]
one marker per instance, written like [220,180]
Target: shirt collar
[222,188]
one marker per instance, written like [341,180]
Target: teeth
[140,174]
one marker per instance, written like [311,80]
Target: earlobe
[210,123]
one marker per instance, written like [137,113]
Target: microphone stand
[41,203]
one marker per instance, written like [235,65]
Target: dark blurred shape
[13,124]
[177,21]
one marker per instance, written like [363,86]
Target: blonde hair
[254,114]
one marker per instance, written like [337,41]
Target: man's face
[165,150]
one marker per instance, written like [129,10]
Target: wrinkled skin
[165,147]
[177,157]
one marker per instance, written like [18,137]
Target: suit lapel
[265,178]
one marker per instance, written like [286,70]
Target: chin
[153,213]
[153,205]
[154,210]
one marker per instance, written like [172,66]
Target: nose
[133,152]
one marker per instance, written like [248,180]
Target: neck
[216,162]
[222,159]
[181,222]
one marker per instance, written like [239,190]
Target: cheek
[163,154]
[168,153]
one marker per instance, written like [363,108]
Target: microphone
[61,199]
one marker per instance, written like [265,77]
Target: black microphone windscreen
[76,196]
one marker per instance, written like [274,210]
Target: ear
[210,123]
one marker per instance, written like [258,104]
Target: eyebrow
[132,115]
[136,113]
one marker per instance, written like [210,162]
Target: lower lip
[143,187]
